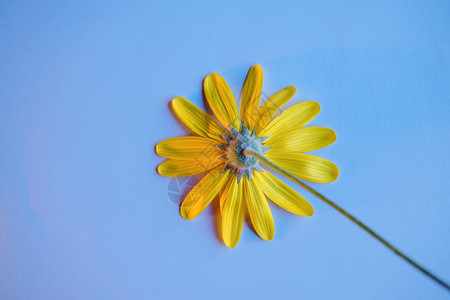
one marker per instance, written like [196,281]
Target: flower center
[234,148]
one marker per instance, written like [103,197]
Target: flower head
[235,178]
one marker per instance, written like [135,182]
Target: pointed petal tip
[231,244]
[258,67]
[268,236]
[333,136]
[314,104]
[333,176]
[306,211]
[337,172]
[186,217]
[212,76]
[177,100]
[317,105]
[185,213]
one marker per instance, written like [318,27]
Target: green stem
[275,167]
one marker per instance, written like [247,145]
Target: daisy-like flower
[221,145]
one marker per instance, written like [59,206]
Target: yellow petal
[307,167]
[258,209]
[221,101]
[282,194]
[202,194]
[303,140]
[187,167]
[233,213]
[196,119]
[188,147]
[291,119]
[223,195]
[272,105]
[251,94]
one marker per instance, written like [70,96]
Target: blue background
[84,91]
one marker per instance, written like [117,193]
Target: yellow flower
[237,179]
